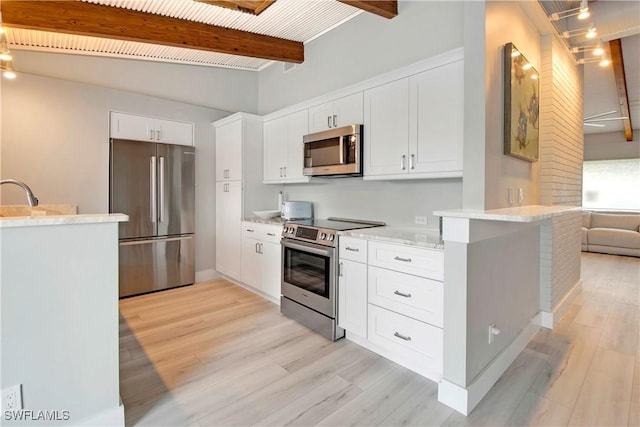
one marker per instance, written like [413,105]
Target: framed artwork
[521,106]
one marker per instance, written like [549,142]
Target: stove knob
[291,229]
[331,237]
[323,236]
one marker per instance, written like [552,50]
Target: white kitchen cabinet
[229,228]
[352,297]
[436,106]
[142,128]
[229,151]
[386,129]
[344,111]
[261,258]
[413,126]
[239,188]
[283,148]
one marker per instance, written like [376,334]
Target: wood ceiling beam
[254,7]
[86,19]
[385,8]
[617,62]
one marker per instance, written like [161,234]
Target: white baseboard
[549,319]
[110,417]
[463,399]
[203,276]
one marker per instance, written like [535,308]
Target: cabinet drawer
[271,233]
[405,338]
[263,232]
[352,249]
[418,261]
[409,295]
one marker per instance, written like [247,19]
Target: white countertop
[424,237]
[32,221]
[271,221]
[531,213]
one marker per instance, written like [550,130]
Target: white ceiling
[297,20]
[613,19]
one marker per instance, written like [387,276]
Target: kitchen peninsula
[59,286]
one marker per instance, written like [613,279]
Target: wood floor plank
[216,354]
[605,397]
[538,411]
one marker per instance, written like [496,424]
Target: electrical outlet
[12,398]
[422,220]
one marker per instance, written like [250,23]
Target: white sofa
[611,233]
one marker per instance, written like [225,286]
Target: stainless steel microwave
[334,152]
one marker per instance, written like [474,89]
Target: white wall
[394,202]
[56,139]
[611,146]
[219,88]
[506,22]
[362,48]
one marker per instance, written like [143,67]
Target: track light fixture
[596,50]
[581,12]
[589,33]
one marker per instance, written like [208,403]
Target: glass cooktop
[338,224]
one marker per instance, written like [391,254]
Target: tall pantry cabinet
[239,188]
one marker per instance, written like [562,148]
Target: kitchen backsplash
[394,202]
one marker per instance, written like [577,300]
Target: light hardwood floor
[216,354]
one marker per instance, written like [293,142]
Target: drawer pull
[352,249]
[402,295]
[250,230]
[402,337]
[271,234]
[402,259]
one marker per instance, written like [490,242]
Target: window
[611,184]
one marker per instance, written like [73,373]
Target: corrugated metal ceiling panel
[298,20]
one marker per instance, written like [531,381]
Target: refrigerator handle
[161,189]
[153,192]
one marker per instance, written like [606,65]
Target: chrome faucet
[31,198]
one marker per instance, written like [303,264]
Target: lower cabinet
[390,300]
[261,258]
[352,297]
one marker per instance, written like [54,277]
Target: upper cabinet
[341,112]
[283,148]
[414,126]
[142,128]
[229,151]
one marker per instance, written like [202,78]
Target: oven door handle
[307,248]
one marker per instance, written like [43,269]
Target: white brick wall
[561,155]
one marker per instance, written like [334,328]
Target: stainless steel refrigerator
[155,185]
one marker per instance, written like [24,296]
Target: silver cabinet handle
[285,171]
[402,294]
[328,121]
[340,267]
[271,234]
[402,167]
[256,248]
[157,135]
[260,246]
[280,172]
[402,337]
[250,230]
[153,193]
[348,248]
[335,121]
[397,258]
[150,134]
[161,189]
[411,166]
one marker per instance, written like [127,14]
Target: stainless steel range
[310,272]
